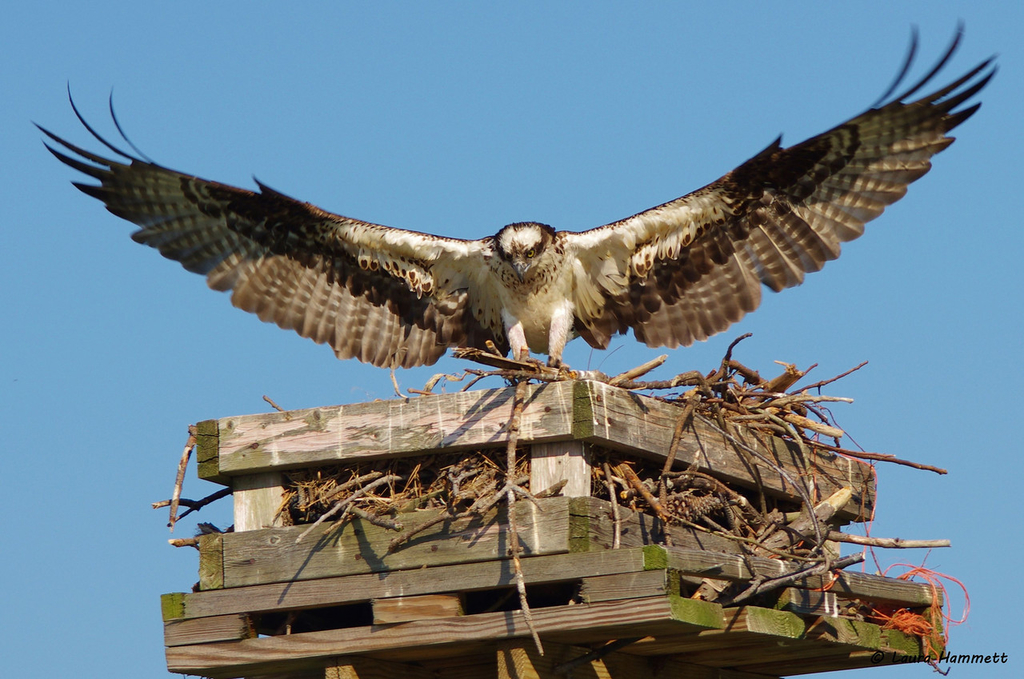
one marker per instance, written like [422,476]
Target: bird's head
[521,245]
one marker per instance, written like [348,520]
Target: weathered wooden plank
[875,588]
[572,623]
[421,607]
[847,584]
[830,639]
[817,659]
[561,460]
[367,431]
[257,499]
[646,426]
[272,555]
[208,452]
[742,626]
[211,561]
[304,594]
[846,631]
[355,667]
[594,528]
[202,630]
[808,602]
[585,411]
[824,651]
[625,586]
[519,659]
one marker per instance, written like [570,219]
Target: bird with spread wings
[673,274]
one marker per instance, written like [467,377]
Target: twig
[551,491]
[598,653]
[194,505]
[790,376]
[881,457]
[272,404]
[376,520]
[513,531]
[616,519]
[727,359]
[887,543]
[638,371]
[342,504]
[806,423]
[179,480]
[351,483]
[684,418]
[818,385]
[760,586]
[627,473]
[184,542]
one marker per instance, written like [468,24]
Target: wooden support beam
[561,460]
[356,667]
[202,630]
[336,591]
[808,602]
[626,586]
[294,594]
[211,561]
[551,526]
[580,623]
[272,555]
[745,625]
[519,659]
[422,607]
[257,498]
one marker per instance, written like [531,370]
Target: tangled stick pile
[731,396]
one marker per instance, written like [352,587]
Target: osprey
[676,273]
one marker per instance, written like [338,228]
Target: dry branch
[179,480]
[887,543]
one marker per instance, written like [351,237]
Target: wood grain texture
[211,561]
[579,623]
[411,426]
[272,555]
[334,591]
[257,499]
[557,460]
[372,668]
[591,412]
[421,607]
[520,660]
[625,586]
[203,630]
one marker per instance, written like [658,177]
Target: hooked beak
[520,269]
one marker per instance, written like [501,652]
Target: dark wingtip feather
[78,150]
[908,60]
[93,132]
[74,163]
[943,60]
[120,130]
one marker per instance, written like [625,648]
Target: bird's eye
[530,254]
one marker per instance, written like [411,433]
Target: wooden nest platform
[634,537]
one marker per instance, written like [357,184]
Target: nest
[731,398]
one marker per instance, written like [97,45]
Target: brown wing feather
[385,296]
[690,268]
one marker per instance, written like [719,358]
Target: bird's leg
[559,333]
[517,340]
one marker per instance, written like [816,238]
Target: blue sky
[457,120]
